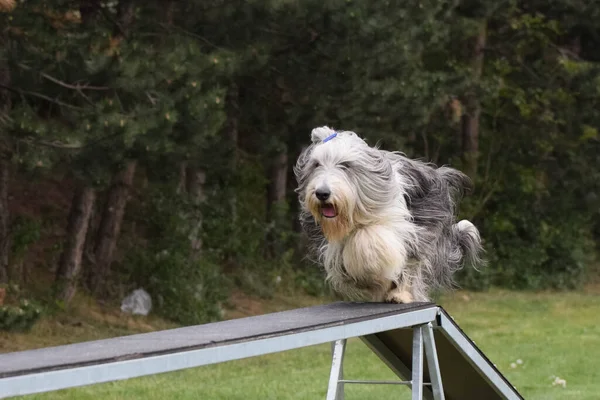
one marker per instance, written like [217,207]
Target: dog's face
[342,181]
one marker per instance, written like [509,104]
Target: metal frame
[335,391]
[445,324]
[432,362]
[422,337]
[417,364]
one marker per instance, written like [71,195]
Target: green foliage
[184,289]
[25,231]
[188,78]
[536,141]
[16,313]
[311,279]
[19,318]
[551,255]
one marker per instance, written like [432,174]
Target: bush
[184,289]
[21,314]
[311,279]
[533,240]
[19,318]
[25,231]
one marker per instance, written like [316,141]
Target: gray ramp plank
[197,337]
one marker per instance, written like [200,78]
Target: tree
[117,194]
[5,157]
[208,103]
[110,223]
[69,267]
[470,119]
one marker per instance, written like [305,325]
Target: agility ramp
[419,342]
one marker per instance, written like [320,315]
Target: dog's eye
[345,164]
[316,164]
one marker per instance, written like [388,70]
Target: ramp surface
[198,337]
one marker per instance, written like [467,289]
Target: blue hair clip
[328,138]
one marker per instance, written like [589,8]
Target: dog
[382,225]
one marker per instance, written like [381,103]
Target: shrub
[184,289]
[16,313]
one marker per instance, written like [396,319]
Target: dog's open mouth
[328,211]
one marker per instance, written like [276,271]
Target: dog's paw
[399,296]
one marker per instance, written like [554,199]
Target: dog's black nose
[323,193]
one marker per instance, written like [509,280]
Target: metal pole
[417,363]
[335,390]
[432,362]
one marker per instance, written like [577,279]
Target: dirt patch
[37,198]
[244,305]
[46,201]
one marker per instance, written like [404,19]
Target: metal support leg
[432,363]
[336,388]
[417,364]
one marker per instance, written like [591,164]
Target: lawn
[552,334]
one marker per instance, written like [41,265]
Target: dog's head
[342,181]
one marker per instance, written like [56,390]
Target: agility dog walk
[383,225]
[419,342]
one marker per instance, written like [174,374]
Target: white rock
[138,302]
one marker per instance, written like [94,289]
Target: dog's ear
[319,134]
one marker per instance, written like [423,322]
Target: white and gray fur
[395,237]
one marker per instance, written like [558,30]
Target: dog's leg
[400,296]
[399,293]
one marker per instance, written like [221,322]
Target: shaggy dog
[383,225]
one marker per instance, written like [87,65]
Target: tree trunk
[110,224]
[276,197]
[4,220]
[169,11]
[195,180]
[278,178]
[125,17]
[70,261]
[470,140]
[231,138]
[118,193]
[88,10]
[182,179]
[294,204]
[232,133]
[470,120]
[5,154]
[90,239]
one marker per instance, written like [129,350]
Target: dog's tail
[469,242]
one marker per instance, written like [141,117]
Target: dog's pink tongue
[328,211]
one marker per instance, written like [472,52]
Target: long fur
[395,235]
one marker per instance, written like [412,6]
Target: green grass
[553,334]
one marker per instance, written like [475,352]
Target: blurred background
[150,145]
